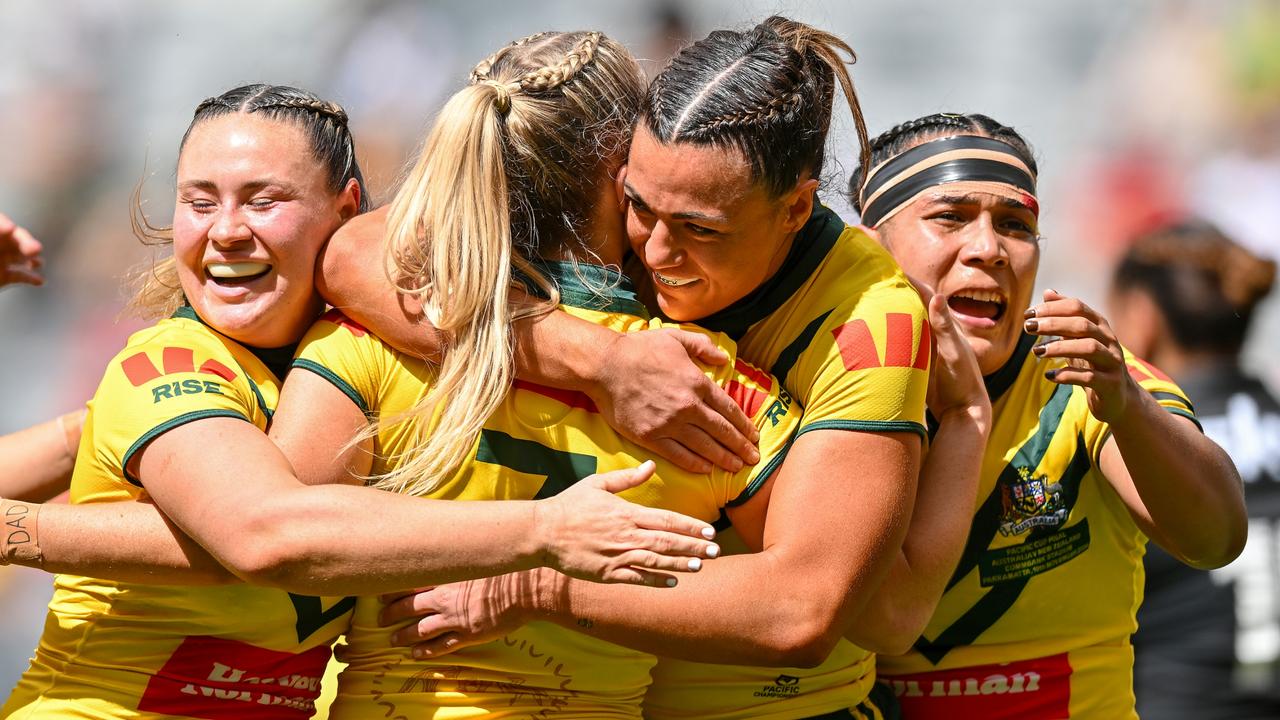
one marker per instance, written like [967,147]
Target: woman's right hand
[590,533]
[653,393]
[20,259]
[955,382]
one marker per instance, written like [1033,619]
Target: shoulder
[170,347]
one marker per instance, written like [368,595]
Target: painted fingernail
[1031,312]
[419,653]
[1031,325]
[1050,374]
[1038,350]
[695,564]
[671,582]
[708,532]
[713,550]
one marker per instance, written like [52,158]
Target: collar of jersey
[276,359]
[1001,380]
[590,287]
[809,249]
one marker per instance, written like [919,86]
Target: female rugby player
[1092,449]
[514,183]
[723,167]
[265,175]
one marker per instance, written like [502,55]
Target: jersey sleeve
[1166,392]
[865,366]
[343,352]
[173,377]
[771,409]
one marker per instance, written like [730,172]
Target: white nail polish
[708,532]
[695,564]
[713,551]
[671,582]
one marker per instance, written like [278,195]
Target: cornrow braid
[550,78]
[767,92]
[904,136]
[324,122]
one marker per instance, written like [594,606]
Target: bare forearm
[1190,488]
[560,350]
[122,541]
[351,276]
[899,610]
[746,609]
[343,540]
[36,463]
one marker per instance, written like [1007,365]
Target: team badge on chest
[1029,502]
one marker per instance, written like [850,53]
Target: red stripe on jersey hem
[1038,689]
[572,398]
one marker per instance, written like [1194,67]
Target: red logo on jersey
[859,351]
[140,370]
[336,317]
[572,398]
[1141,370]
[217,679]
[1039,688]
[747,397]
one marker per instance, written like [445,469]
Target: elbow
[804,640]
[1222,549]
[270,549]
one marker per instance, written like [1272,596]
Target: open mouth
[987,305]
[673,282]
[235,273]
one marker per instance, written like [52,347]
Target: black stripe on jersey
[337,382]
[1173,397]
[791,353]
[808,250]
[1001,380]
[992,606]
[312,616]
[560,467]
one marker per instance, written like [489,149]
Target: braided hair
[903,137]
[511,170]
[767,92]
[324,122]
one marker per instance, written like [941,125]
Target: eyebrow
[251,186]
[687,215]
[970,199]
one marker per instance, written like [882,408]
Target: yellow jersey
[1036,619]
[127,650]
[539,442]
[847,334]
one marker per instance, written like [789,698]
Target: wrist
[546,598]
[541,550]
[976,414]
[20,535]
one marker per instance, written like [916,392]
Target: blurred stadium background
[1140,111]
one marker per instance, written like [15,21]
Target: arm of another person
[36,463]
[900,609]
[830,524]
[1182,490]
[647,385]
[20,260]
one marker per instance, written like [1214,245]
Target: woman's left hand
[1095,360]
[451,617]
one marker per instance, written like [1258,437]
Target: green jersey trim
[881,426]
[1001,380]
[811,246]
[589,287]
[762,477]
[337,382]
[165,427]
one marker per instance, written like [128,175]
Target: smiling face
[252,213]
[706,231]
[979,250]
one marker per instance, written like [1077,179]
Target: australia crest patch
[1030,501]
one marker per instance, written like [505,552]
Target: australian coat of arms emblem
[1029,502]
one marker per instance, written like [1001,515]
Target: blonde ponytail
[511,167]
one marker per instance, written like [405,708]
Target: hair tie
[501,95]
